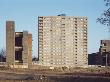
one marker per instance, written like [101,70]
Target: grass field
[55,75]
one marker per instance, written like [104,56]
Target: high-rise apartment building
[18,47]
[62,41]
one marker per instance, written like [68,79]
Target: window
[75,28]
[85,19]
[75,18]
[75,39]
[81,19]
[75,21]
[63,18]
[104,44]
[104,50]
[75,33]
[85,25]
[63,24]
[75,24]
[40,20]
[75,36]
[50,30]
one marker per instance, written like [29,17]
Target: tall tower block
[10,42]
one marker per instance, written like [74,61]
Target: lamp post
[106,59]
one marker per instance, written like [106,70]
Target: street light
[106,59]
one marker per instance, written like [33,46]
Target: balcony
[40,21]
[40,24]
[18,48]
[40,18]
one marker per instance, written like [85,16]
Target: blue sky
[25,13]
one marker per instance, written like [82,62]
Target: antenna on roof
[62,15]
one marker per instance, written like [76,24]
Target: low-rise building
[18,47]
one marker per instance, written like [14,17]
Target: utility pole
[106,59]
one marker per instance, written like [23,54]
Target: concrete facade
[18,47]
[25,48]
[105,52]
[10,42]
[62,41]
[105,46]
[29,50]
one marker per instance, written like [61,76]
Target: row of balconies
[63,18]
[62,25]
[64,41]
[58,52]
[60,63]
[67,18]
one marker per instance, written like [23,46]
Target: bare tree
[2,55]
[34,58]
[105,16]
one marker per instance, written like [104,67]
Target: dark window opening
[104,44]
[18,41]
[18,56]
[104,50]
